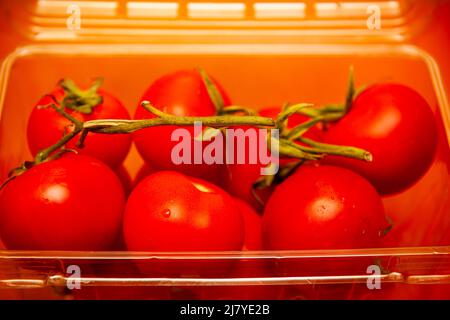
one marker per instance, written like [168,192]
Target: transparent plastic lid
[222,21]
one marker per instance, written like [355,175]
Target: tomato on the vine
[240,178]
[72,203]
[46,126]
[252,226]
[323,207]
[395,124]
[182,93]
[169,211]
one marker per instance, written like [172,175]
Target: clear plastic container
[289,59]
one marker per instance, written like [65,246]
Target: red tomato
[397,126]
[252,223]
[241,177]
[72,203]
[171,212]
[181,93]
[46,127]
[323,207]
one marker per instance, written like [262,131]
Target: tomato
[239,178]
[323,207]
[397,126]
[172,212]
[169,211]
[252,224]
[181,93]
[72,203]
[46,127]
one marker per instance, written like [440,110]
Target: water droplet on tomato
[166,213]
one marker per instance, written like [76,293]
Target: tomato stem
[213,92]
[286,145]
[42,155]
[345,151]
[350,90]
[238,109]
[114,126]
[83,101]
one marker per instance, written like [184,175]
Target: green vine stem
[287,148]
[346,151]
[238,109]
[113,126]
[42,155]
[213,92]
[84,101]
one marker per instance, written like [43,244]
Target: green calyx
[83,101]
[213,92]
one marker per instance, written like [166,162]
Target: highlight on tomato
[323,207]
[46,125]
[171,212]
[74,202]
[397,126]
[181,93]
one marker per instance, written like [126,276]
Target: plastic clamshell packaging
[296,72]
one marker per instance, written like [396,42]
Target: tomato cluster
[86,201]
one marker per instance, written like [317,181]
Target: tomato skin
[323,207]
[181,93]
[168,211]
[397,126]
[171,212]
[73,203]
[239,178]
[46,127]
[252,224]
